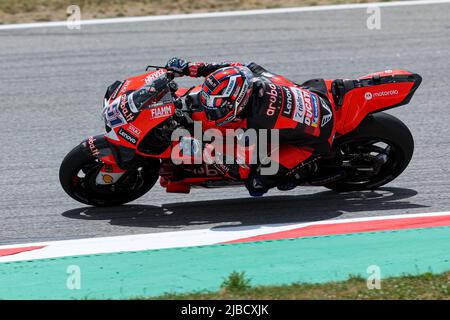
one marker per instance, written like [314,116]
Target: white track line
[224,14]
[176,239]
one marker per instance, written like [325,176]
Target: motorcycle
[370,149]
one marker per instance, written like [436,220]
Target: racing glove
[196,69]
[180,66]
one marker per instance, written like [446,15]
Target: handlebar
[170,70]
[183,109]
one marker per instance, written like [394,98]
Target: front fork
[99,147]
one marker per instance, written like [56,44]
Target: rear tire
[78,172]
[388,130]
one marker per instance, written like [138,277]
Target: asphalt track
[53,79]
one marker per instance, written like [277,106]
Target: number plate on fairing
[111,114]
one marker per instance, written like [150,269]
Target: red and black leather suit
[304,116]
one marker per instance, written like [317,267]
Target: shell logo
[108,179]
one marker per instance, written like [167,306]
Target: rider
[262,100]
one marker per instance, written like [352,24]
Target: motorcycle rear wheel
[78,173]
[380,136]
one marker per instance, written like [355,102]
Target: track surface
[53,79]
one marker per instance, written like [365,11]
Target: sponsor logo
[205,170]
[299,112]
[125,86]
[369,95]
[92,147]
[327,117]
[385,93]
[273,95]
[114,94]
[126,112]
[315,104]
[308,108]
[153,76]
[242,94]
[230,86]
[287,109]
[127,136]
[304,111]
[107,179]
[161,111]
[134,130]
[211,83]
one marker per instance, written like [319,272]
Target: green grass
[420,287]
[236,282]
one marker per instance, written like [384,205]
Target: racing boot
[295,177]
[257,184]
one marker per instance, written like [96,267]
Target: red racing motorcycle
[371,147]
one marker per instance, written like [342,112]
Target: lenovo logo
[127,136]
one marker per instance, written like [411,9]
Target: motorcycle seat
[317,85]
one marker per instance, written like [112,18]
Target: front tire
[380,136]
[79,170]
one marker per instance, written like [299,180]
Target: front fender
[100,148]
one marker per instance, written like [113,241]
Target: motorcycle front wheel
[78,173]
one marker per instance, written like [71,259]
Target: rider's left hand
[179,66]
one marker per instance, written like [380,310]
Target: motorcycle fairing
[126,131]
[372,93]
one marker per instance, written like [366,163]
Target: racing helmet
[225,93]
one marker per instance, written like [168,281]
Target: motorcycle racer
[258,99]
[147,116]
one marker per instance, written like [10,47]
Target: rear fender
[374,93]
